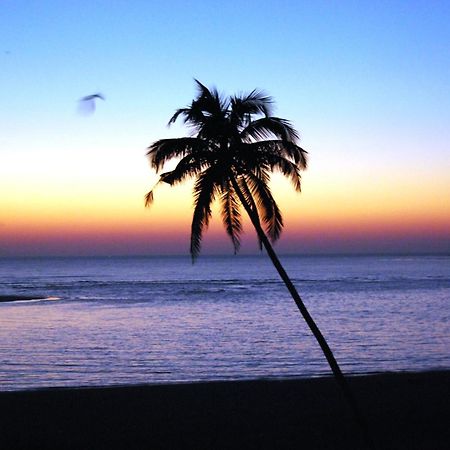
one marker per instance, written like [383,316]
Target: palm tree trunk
[339,376]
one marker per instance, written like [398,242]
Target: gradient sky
[367,84]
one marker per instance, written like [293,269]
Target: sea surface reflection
[159,320]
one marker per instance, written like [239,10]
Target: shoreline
[404,411]
[289,379]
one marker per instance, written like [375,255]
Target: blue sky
[367,83]
[313,57]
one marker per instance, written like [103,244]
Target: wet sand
[404,411]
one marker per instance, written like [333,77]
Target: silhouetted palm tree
[231,154]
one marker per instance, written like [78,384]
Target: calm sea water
[161,319]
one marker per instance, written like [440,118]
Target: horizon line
[230,255]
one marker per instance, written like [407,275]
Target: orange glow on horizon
[47,212]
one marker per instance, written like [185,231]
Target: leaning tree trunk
[339,376]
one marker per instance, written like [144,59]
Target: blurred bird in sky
[86,105]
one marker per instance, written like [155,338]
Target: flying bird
[86,105]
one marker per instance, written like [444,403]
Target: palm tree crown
[235,145]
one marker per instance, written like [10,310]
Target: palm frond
[288,169]
[268,128]
[209,100]
[263,160]
[256,102]
[204,194]
[189,166]
[178,112]
[203,91]
[149,195]
[270,212]
[248,197]
[260,151]
[208,104]
[206,115]
[165,149]
[231,215]
[148,198]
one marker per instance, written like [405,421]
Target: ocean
[133,320]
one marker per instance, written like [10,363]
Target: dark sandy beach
[405,411]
